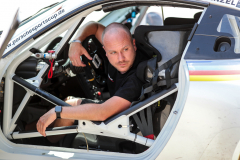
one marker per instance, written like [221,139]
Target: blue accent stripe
[212,68]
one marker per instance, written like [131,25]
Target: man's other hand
[75,51]
[45,121]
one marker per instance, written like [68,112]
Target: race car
[188,108]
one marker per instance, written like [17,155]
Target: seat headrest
[179,21]
[142,40]
[197,15]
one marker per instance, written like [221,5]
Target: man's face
[120,50]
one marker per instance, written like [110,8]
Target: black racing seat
[179,21]
[165,42]
[166,45]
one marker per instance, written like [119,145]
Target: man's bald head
[115,29]
[119,46]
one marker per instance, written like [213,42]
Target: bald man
[124,86]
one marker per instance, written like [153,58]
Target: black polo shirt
[126,85]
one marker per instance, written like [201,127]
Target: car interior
[163,44]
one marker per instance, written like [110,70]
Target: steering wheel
[96,69]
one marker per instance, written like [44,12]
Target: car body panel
[208,36]
[209,125]
[212,107]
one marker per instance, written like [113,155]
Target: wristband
[76,40]
[58,110]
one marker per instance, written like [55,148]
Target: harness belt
[143,119]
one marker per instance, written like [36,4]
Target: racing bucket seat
[165,44]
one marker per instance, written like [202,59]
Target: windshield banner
[34,29]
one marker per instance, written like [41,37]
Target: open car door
[7,35]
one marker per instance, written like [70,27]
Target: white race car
[189,107]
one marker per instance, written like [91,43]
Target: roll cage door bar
[110,129]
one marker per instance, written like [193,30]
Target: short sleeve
[131,89]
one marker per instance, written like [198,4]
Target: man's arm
[76,49]
[95,112]
[90,28]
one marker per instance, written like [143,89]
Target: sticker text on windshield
[35,28]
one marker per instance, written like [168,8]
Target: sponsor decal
[230,2]
[238,4]
[34,29]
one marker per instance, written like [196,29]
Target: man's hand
[50,116]
[45,121]
[75,51]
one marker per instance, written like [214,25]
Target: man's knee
[73,101]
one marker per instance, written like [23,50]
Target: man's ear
[134,44]
[105,50]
